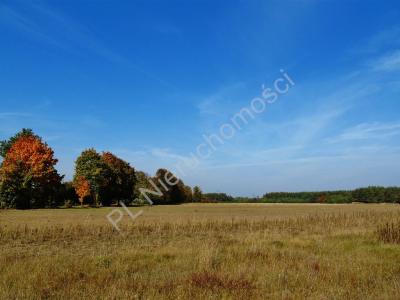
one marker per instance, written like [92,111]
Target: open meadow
[282,251]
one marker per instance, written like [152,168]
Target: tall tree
[122,180]
[171,187]
[188,194]
[90,166]
[82,188]
[6,144]
[177,192]
[163,187]
[28,178]
[197,194]
[142,182]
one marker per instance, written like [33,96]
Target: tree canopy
[28,178]
[91,167]
[197,194]
[6,144]
[122,179]
[103,178]
[172,188]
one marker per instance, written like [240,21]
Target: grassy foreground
[198,251]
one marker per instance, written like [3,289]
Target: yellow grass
[201,251]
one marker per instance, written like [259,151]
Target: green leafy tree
[177,193]
[371,194]
[172,188]
[217,197]
[68,194]
[188,194]
[121,184]
[163,186]
[392,195]
[90,166]
[142,182]
[197,194]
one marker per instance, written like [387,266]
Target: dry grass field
[203,251]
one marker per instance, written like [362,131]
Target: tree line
[371,194]
[29,179]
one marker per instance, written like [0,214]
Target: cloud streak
[388,62]
[45,25]
[368,131]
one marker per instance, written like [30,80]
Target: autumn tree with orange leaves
[28,178]
[103,178]
[82,188]
[91,167]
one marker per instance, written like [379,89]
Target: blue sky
[146,80]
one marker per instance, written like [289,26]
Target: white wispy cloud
[388,37]
[34,20]
[44,24]
[4,115]
[172,160]
[217,104]
[303,130]
[165,153]
[366,131]
[315,173]
[387,62]
[16,19]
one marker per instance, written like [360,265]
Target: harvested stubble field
[242,251]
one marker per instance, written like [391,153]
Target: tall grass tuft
[389,232]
